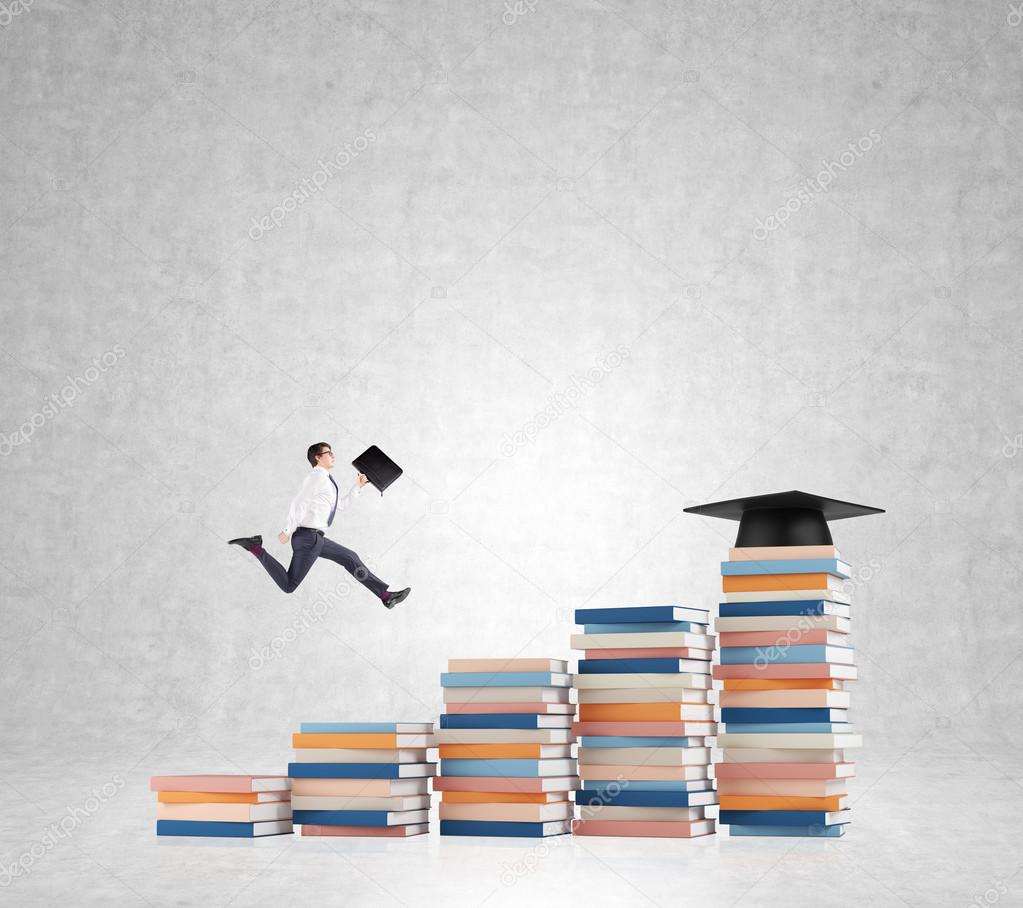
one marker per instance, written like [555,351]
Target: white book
[784,595]
[785,623]
[780,755]
[661,814]
[642,680]
[504,736]
[357,755]
[645,756]
[325,802]
[506,694]
[790,740]
[642,640]
[622,772]
[274,827]
[649,695]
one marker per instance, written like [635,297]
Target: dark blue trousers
[306,546]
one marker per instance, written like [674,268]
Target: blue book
[800,654]
[795,728]
[514,768]
[214,829]
[642,614]
[631,666]
[781,714]
[495,828]
[628,741]
[351,817]
[786,566]
[360,728]
[504,679]
[805,818]
[596,786]
[813,832]
[629,798]
[360,770]
[655,627]
[499,720]
[778,608]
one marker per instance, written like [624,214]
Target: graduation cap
[378,467]
[783,518]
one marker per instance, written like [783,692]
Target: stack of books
[222,806]
[505,739]
[785,659]
[645,716]
[362,778]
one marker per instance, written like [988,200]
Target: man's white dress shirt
[314,501]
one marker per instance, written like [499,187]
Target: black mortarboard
[783,518]
[378,467]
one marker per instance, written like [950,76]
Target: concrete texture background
[547,270]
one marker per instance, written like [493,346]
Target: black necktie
[337,493]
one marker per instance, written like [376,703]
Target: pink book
[509,813]
[360,788]
[790,699]
[547,709]
[781,552]
[226,813]
[672,829]
[380,832]
[507,665]
[792,637]
[503,784]
[784,770]
[811,670]
[639,772]
[651,729]
[219,783]
[655,652]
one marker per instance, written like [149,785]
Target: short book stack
[505,740]
[362,778]
[785,660]
[222,806]
[645,716]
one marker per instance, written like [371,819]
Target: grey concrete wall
[574,265]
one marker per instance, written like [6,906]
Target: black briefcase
[378,467]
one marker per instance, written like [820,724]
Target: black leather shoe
[394,598]
[247,542]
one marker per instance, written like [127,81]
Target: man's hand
[282,538]
[362,480]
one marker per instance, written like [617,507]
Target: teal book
[787,566]
[505,679]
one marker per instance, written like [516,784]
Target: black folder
[378,467]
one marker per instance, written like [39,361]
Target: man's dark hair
[316,449]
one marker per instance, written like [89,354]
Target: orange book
[634,712]
[492,797]
[765,802]
[783,684]
[754,583]
[222,797]
[498,751]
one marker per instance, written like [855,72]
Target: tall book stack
[644,720]
[222,806]
[362,778]
[785,661]
[505,739]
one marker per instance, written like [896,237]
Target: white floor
[929,829]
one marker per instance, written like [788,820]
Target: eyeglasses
[322,453]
